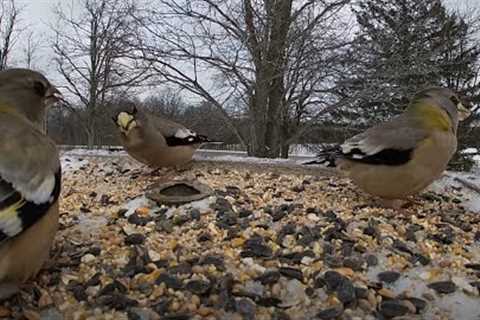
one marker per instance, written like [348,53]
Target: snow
[136,203]
[246,159]
[470,151]
[201,205]
[72,163]
[450,183]
[474,151]
[459,305]
[83,152]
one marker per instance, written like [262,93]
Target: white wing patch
[184,133]
[38,192]
[365,148]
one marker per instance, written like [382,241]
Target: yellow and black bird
[30,177]
[403,156]
[155,141]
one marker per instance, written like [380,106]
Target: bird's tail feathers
[326,157]
[206,140]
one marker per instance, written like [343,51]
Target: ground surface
[275,242]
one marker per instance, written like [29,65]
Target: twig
[468,184]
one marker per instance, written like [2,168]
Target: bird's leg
[394,204]
[158,172]
[411,202]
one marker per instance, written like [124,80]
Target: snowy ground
[455,182]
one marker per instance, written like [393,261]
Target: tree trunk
[90,138]
[258,127]
[284,148]
[270,62]
[90,130]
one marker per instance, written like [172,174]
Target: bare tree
[9,29]
[91,47]
[32,46]
[262,59]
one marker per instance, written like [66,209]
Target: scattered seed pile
[269,245]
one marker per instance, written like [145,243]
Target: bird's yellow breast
[432,117]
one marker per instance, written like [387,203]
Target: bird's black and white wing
[30,176]
[174,133]
[185,137]
[391,143]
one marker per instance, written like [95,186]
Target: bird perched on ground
[403,156]
[30,177]
[155,141]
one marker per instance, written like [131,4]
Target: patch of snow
[202,205]
[470,151]
[215,151]
[459,305]
[136,203]
[449,184]
[72,163]
[245,159]
[80,152]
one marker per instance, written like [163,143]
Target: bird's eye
[40,88]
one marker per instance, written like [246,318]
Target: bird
[155,141]
[401,157]
[30,177]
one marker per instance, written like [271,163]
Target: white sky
[39,13]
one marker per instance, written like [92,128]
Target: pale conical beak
[463,113]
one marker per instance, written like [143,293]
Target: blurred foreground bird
[403,156]
[30,177]
[155,141]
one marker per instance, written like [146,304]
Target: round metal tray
[178,192]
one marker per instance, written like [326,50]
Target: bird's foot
[395,204]
[411,202]
[156,172]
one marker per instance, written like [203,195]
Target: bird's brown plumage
[23,256]
[403,156]
[30,177]
[146,140]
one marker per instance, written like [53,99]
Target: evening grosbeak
[403,156]
[30,177]
[155,141]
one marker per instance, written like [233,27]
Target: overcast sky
[39,13]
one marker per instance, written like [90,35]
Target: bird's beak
[463,112]
[53,96]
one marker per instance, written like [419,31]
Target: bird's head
[28,93]
[445,99]
[439,108]
[126,121]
